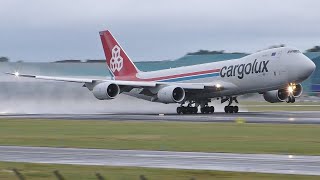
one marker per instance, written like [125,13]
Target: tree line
[207,52]
[200,52]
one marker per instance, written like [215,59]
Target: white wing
[218,85]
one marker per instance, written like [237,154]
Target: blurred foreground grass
[45,171]
[171,136]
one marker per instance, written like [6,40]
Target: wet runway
[264,163]
[284,117]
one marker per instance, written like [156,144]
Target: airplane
[275,73]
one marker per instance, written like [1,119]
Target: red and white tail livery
[118,61]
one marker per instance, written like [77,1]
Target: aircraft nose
[308,66]
[300,69]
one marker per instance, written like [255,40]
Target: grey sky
[41,30]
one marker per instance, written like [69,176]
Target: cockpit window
[293,51]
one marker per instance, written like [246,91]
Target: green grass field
[172,136]
[45,171]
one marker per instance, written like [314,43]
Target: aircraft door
[277,73]
[280,72]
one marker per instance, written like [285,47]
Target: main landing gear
[207,110]
[229,108]
[187,110]
[192,108]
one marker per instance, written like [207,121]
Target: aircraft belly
[139,96]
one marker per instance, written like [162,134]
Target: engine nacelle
[104,91]
[171,94]
[276,95]
[297,90]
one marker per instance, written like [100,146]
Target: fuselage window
[294,51]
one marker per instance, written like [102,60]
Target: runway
[263,163]
[284,117]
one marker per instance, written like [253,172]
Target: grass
[45,171]
[265,106]
[172,136]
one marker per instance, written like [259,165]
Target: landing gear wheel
[228,109]
[207,109]
[231,109]
[291,99]
[187,110]
[235,109]
[194,110]
[203,110]
[179,110]
[211,109]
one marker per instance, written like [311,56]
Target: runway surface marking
[262,163]
[284,117]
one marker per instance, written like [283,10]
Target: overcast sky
[43,30]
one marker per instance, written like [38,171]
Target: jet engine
[106,91]
[297,90]
[171,94]
[276,95]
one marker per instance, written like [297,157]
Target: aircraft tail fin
[117,60]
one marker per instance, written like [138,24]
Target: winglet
[17,74]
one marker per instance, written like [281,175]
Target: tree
[314,49]
[4,59]
[272,47]
[277,46]
[204,52]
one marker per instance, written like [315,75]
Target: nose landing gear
[291,99]
[291,91]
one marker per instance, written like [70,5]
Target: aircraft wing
[219,85]
[85,80]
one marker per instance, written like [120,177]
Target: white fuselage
[259,72]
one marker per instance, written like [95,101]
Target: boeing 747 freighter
[274,73]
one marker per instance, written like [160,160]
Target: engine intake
[105,91]
[171,94]
[276,95]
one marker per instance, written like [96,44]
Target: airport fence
[59,176]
